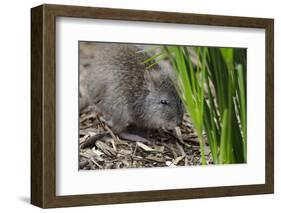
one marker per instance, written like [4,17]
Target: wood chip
[180,149]
[157,159]
[159,148]
[178,159]
[83,139]
[91,141]
[97,152]
[170,164]
[89,154]
[125,152]
[105,148]
[83,164]
[101,148]
[112,134]
[145,147]
[179,136]
[84,118]
[96,163]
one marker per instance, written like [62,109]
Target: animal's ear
[153,77]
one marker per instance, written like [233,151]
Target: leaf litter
[101,148]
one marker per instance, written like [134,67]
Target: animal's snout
[176,121]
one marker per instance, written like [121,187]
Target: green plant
[213,91]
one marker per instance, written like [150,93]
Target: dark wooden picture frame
[43,105]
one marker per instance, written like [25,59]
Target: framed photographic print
[136,106]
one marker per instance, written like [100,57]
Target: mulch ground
[100,148]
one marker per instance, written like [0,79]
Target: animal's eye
[165,102]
